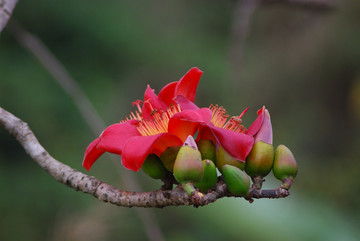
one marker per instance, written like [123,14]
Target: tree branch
[107,193]
[6,9]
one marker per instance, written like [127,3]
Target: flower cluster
[162,123]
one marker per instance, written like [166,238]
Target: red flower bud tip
[265,132]
[191,143]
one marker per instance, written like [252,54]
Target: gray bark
[6,9]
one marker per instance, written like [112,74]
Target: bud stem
[189,188]
[287,182]
[257,183]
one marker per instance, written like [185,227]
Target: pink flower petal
[205,134]
[187,85]
[139,147]
[236,144]
[92,153]
[167,93]
[186,123]
[115,136]
[185,104]
[255,126]
[265,132]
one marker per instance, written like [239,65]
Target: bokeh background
[302,63]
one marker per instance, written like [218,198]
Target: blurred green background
[303,64]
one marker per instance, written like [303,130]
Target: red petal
[255,126]
[139,147]
[236,144]
[184,103]
[188,83]
[167,93]
[265,132]
[205,134]
[115,136]
[92,153]
[186,123]
[151,101]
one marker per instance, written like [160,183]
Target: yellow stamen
[220,117]
[158,123]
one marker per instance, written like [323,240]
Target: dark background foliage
[301,63]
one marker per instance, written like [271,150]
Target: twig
[6,9]
[105,192]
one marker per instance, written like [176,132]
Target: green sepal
[207,150]
[154,167]
[188,167]
[285,165]
[210,177]
[168,157]
[237,181]
[260,160]
[223,158]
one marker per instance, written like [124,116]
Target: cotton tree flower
[151,128]
[166,120]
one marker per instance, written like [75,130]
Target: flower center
[158,123]
[220,119]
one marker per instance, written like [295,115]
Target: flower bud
[168,157]
[223,158]
[237,182]
[154,167]
[210,177]
[207,149]
[285,167]
[188,165]
[265,132]
[260,160]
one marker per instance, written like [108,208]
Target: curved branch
[6,9]
[105,192]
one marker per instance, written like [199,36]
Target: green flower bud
[210,177]
[207,149]
[260,160]
[168,157]
[285,167]
[237,182]
[223,158]
[154,167]
[188,165]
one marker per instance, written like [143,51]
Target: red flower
[154,127]
[167,119]
[229,133]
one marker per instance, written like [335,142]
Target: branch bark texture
[6,9]
[105,192]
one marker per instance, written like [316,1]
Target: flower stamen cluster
[220,119]
[159,121]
